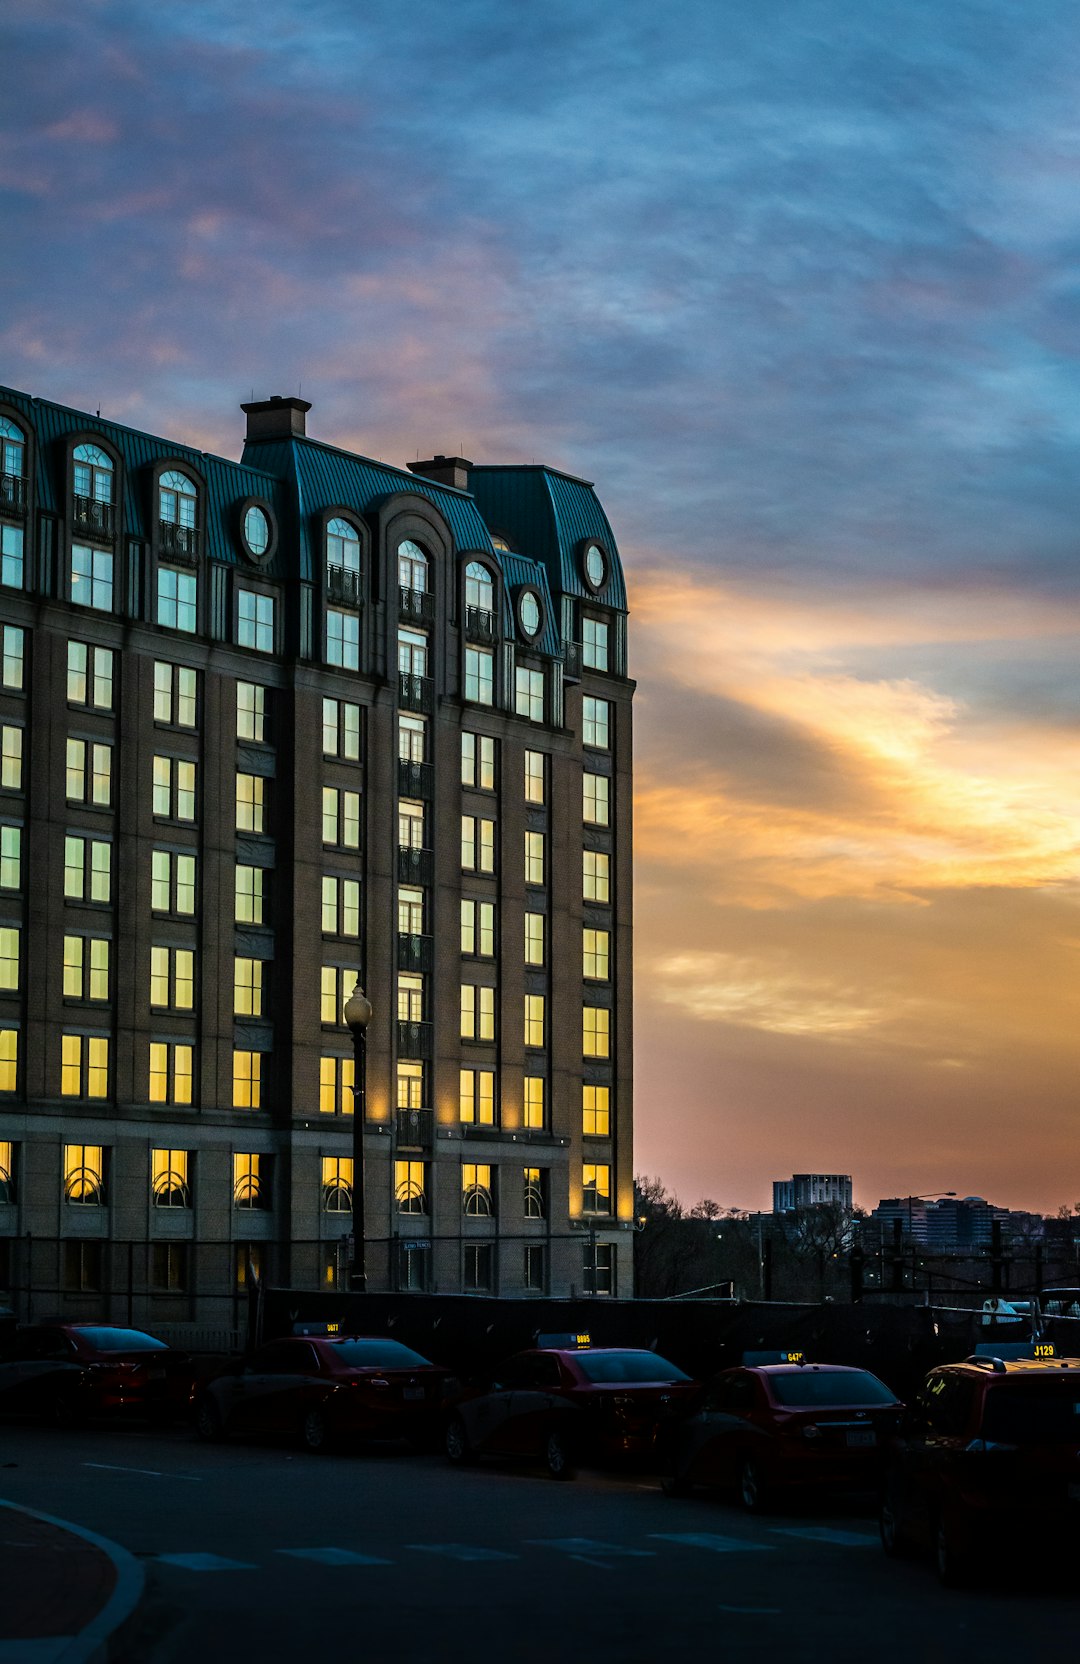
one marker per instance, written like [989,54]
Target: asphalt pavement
[265,1552]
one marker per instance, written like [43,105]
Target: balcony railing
[480,626]
[13,493]
[417,605]
[415,1129]
[343,585]
[414,953]
[415,779]
[178,543]
[98,519]
[414,1040]
[571,651]
[414,866]
[415,693]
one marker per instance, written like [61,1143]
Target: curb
[88,1646]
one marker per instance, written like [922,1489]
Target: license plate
[861,1438]
[411,1394]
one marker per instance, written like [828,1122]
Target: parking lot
[262,1550]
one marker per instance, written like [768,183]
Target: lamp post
[358,1016]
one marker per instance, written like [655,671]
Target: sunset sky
[796,283]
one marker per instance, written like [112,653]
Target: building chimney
[444,470]
[276,418]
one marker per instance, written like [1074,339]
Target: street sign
[413,1243]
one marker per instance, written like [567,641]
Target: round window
[529,613]
[256,531]
[595,565]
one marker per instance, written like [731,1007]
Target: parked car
[71,1372]
[987,1462]
[569,1403]
[764,1428]
[322,1388]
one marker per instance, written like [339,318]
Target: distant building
[810,1190]
[951,1224]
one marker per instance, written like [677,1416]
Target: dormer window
[343,562]
[412,566]
[95,489]
[12,465]
[177,504]
[479,604]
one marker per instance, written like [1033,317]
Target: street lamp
[358,1016]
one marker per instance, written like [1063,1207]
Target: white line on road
[205,1563]
[467,1552]
[587,1545]
[334,1556]
[710,1540]
[827,1534]
[149,1473]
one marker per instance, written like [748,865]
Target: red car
[71,1372]
[319,1388]
[767,1427]
[566,1404]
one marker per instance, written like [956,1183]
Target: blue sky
[796,285]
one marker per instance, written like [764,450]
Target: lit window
[534,1019]
[529,694]
[11,857]
[336,985]
[476,1097]
[478,761]
[595,1036]
[90,676]
[343,546]
[7,1171]
[412,566]
[91,577]
[410,1186]
[247,1080]
[341,907]
[534,857]
[172,979]
[478,928]
[594,952]
[476,1197]
[477,1012]
[410,998]
[534,776]
[251,1181]
[250,803]
[595,1111]
[477,844]
[177,600]
[341,818]
[89,773]
[594,644]
[337,1184]
[14,658]
[412,739]
[9,1059]
[86,968]
[342,639]
[84,1174]
[255,620]
[595,806]
[175,694]
[174,788]
[534,1103]
[10,937]
[479,675]
[595,723]
[595,875]
[169,1186]
[87,869]
[171,1072]
[250,712]
[410,911]
[84,1066]
[11,758]
[249,894]
[410,1085]
[595,1188]
[247,987]
[341,729]
[412,652]
[410,824]
[336,1082]
[533,1198]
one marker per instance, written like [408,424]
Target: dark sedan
[319,1389]
[767,1428]
[563,1405]
[71,1372]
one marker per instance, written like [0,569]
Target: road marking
[205,1563]
[710,1540]
[588,1545]
[467,1552]
[827,1534]
[149,1473]
[334,1556]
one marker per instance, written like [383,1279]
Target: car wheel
[953,1562]
[315,1430]
[894,1539]
[557,1458]
[207,1419]
[456,1442]
[753,1492]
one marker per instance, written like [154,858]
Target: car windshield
[813,1389]
[604,1367]
[118,1340]
[1033,1412]
[377,1354]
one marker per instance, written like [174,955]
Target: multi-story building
[811,1190]
[268,727]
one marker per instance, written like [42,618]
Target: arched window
[412,566]
[177,497]
[343,546]
[337,1184]
[12,454]
[94,474]
[476,1190]
[479,588]
[12,498]
[169,1181]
